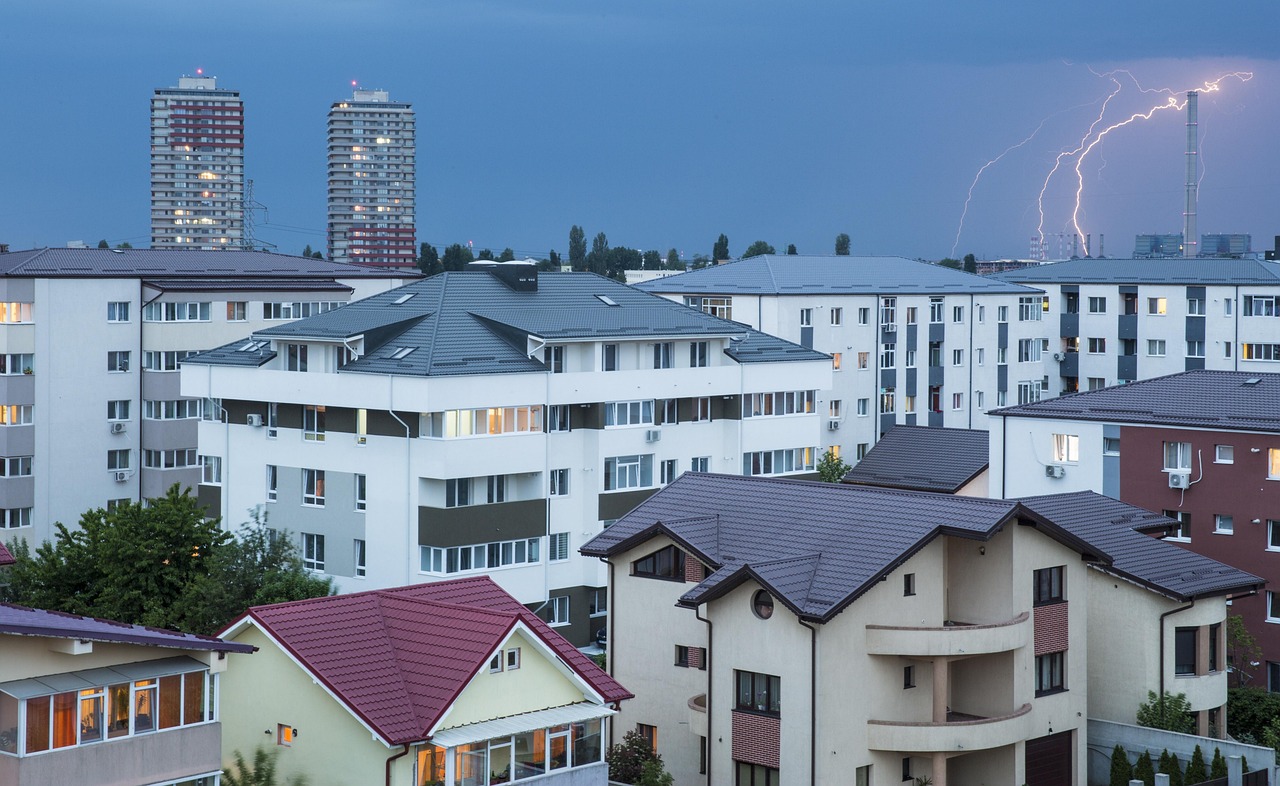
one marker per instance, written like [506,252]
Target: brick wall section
[1051,628]
[756,738]
[693,570]
[697,656]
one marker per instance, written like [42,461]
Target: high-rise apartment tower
[197,166]
[371,181]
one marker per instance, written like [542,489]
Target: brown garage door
[1048,760]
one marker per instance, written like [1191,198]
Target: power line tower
[247,207]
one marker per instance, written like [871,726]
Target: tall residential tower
[371,181]
[197,166]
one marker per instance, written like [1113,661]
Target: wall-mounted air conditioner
[652,435]
[1055,471]
[833,425]
[117,428]
[254,420]
[122,476]
[1179,480]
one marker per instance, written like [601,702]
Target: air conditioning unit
[1059,356]
[889,328]
[1179,480]
[652,435]
[253,419]
[1055,471]
[117,428]
[122,476]
[833,425]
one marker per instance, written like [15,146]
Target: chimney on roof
[519,276]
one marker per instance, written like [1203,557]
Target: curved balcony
[954,639]
[959,733]
[698,714]
[1204,691]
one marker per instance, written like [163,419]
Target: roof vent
[116,251]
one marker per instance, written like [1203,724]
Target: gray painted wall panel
[18,440]
[150,758]
[1111,464]
[338,521]
[1002,334]
[474,524]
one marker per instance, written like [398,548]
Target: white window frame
[1156,347]
[118,311]
[837,316]
[1157,306]
[628,472]
[361,491]
[313,422]
[313,487]
[1066,448]
[1223,524]
[558,547]
[558,611]
[1224,454]
[558,482]
[626,414]
[361,557]
[312,552]
[1182,457]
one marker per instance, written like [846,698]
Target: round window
[762,604]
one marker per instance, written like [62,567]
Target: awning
[101,677]
[518,724]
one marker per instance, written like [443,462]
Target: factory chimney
[1189,236]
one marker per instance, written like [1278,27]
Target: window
[163,361]
[649,734]
[513,658]
[906,768]
[864,447]
[116,460]
[864,405]
[837,317]
[1273,535]
[700,464]
[774,462]
[979,355]
[1030,309]
[297,310]
[496,489]
[957,357]
[778,403]
[1226,349]
[313,487]
[495,663]
[1097,383]
[935,354]
[715,306]
[1049,673]
[361,489]
[170,459]
[957,313]
[864,316]
[313,423]
[806,317]
[361,563]
[935,310]
[864,360]
[1195,306]
[698,351]
[1195,348]
[911,358]
[1273,463]
[118,361]
[957,401]
[555,359]
[1002,355]
[558,417]
[558,546]
[758,692]
[1029,391]
[1111,446]
[669,471]
[178,409]
[1273,606]
[889,312]
[1260,351]
[118,311]
[1097,305]
[237,310]
[835,360]
[14,364]
[1048,586]
[558,610]
[1155,347]
[598,602]
[908,584]
[12,518]
[1177,456]
[273,482]
[1157,306]
[1226,307]
[1223,524]
[273,420]
[313,552]
[481,556]
[662,354]
[762,604]
[755,775]
[559,483]
[211,469]
[1066,448]
[665,563]
[628,472]
[1097,346]
[1261,306]
[296,357]
[1182,532]
[979,399]
[682,656]
[887,403]
[908,677]
[484,422]
[1184,652]
[1224,454]
[609,357]
[1002,313]
[835,407]
[457,492]
[702,409]
[176,312]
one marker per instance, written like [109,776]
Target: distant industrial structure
[1171,246]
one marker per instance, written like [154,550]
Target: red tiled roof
[5,557]
[399,657]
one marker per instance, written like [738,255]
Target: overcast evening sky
[664,123]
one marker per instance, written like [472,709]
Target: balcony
[953,639]
[698,714]
[960,733]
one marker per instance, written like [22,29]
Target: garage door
[1049,759]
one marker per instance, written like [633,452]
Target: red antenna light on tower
[199,72]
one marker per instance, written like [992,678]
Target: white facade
[197,166]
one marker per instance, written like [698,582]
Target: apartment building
[490,421]
[1118,320]
[197,166]
[90,345]
[912,343]
[910,634]
[1201,446]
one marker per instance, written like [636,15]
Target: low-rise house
[5,557]
[914,634]
[450,683]
[85,700]
[917,458]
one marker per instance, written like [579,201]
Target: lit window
[1066,448]
[1157,306]
[313,487]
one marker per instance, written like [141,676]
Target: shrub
[1218,767]
[1172,713]
[1144,771]
[1121,769]
[1196,771]
[633,761]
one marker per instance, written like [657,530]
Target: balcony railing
[698,714]
[960,732]
[953,639]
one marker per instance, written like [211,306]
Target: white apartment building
[1110,321]
[197,166]
[912,343]
[90,345]
[492,420]
[372,153]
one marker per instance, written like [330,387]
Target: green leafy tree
[970,264]
[577,248]
[757,248]
[1196,771]
[125,244]
[1144,770]
[103,244]
[553,259]
[456,257]
[1244,767]
[1121,769]
[1243,652]
[598,259]
[720,251]
[1169,765]
[306,251]
[1250,711]
[832,468]
[673,260]
[633,760]
[954,264]
[651,260]
[654,774]
[1168,712]
[428,259]
[842,245]
[485,254]
[161,564]
[1218,767]
[507,255]
[791,249]
[261,773]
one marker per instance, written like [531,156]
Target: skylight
[403,299]
[402,351]
[253,346]
[608,301]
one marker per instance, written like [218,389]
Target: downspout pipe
[1162,616]
[710,683]
[401,754]
[813,700]
[610,655]
[409,494]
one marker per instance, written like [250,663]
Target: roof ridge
[768,265]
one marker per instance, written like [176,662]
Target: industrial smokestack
[1189,236]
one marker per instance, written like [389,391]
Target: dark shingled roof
[1220,400]
[470,322]
[236,284]
[817,546]
[171,263]
[1116,528]
[1147,271]
[805,275]
[923,459]
[22,621]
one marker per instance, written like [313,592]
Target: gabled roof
[470,322]
[398,658]
[171,263]
[22,621]
[1222,400]
[806,275]
[1117,528]
[5,557]
[816,546]
[923,459]
[1148,271]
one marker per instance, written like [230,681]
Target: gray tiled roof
[470,322]
[237,284]
[1225,400]
[171,263]
[804,275]
[1148,271]
[23,621]
[817,546]
[923,459]
[1164,567]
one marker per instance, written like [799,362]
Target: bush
[1250,711]
[1121,769]
[1196,771]
[633,761]
[1144,771]
[1170,765]
[1218,768]
[1171,714]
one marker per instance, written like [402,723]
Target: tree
[103,244]
[1196,771]
[485,254]
[757,248]
[1144,770]
[262,773]
[125,244]
[1175,770]
[428,259]
[1243,652]
[598,259]
[456,257]
[700,261]
[791,249]
[673,260]
[954,264]
[507,255]
[309,254]
[1218,767]
[554,259]
[832,468]
[1121,769]
[577,248]
[720,251]
[651,260]
[161,564]
[1168,712]
[634,761]
[842,245]
[1250,711]
[655,775]
[970,264]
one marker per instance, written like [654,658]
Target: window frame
[1050,673]
[762,693]
[1049,586]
